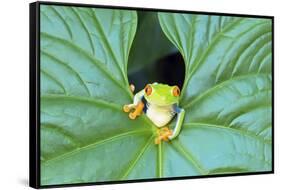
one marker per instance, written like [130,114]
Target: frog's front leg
[180,117]
[138,110]
[137,106]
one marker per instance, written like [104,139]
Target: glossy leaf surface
[85,135]
[227,91]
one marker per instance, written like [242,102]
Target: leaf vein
[85,28]
[95,144]
[54,79]
[187,154]
[94,61]
[136,159]
[219,85]
[234,130]
[69,68]
[102,32]
[63,21]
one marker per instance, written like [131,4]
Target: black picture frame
[34,93]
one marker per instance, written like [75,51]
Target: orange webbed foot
[163,134]
[132,115]
[126,108]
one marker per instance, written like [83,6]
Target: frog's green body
[160,103]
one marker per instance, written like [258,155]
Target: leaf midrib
[189,157]
[82,99]
[57,60]
[221,84]
[215,39]
[228,128]
[102,32]
[136,159]
[96,101]
[95,144]
[94,61]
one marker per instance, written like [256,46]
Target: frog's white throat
[159,115]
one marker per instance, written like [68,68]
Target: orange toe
[132,116]
[126,108]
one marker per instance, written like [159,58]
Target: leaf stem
[137,158]
[160,160]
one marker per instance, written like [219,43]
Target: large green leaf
[85,135]
[227,91]
[84,132]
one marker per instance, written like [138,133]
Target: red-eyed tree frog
[160,103]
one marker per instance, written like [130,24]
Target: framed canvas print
[120,94]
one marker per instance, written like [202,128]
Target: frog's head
[161,94]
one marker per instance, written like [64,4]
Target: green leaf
[226,93]
[85,135]
[84,55]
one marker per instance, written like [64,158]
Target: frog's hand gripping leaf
[137,105]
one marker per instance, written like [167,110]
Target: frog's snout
[164,98]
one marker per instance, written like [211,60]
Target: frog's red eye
[148,89]
[176,91]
